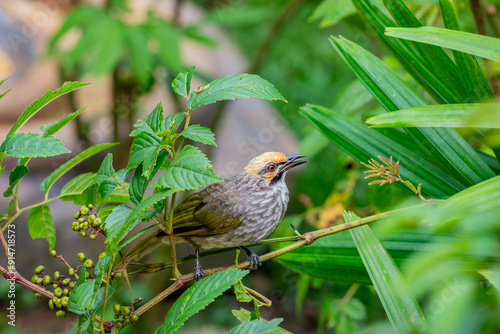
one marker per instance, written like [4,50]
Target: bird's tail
[152,240]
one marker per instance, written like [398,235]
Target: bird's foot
[198,273]
[253,258]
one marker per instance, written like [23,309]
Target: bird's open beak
[291,161]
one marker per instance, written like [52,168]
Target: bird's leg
[253,258]
[198,270]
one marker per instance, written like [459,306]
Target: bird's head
[272,166]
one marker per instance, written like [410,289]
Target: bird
[240,211]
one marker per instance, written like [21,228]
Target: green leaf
[81,298]
[256,327]
[145,149]
[244,316]
[479,115]
[14,177]
[3,94]
[330,12]
[155,118]
[40,224]
[335,258]
[106,188]
[189,170]
[72,190]
[119,230]
[477,45]
[115,220]
[167,37]
[364,143]
[39,103]
[51,128]
[182,83]
[55,175]
[137,38]
[172,122]
[33,145]
[447,148]
[493,276]
[470,72]
[106,170]
[200,134]
[198,297]
[400,306]
[234,86]
[107,46]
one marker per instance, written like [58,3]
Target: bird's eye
[271,168]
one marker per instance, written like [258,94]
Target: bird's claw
[255,262]
[198,273]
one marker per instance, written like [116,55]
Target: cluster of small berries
[85,220]
[62,284]
[124,312]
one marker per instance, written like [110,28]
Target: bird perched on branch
[240,211]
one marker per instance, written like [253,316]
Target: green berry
[97,222]
[58,303]
[89,263]
[84,210]
[91,219]
[64,301]
[81,256]
[85,226]
[82,234]
[47,280]
[71,272]
[119,324]
[39,269]
[66,291]
[125,310]
[90,206]
[92,237]
[134,318]
[126,321]
[77,215]
[58,292]
[87,274]
[51,304]
[54,300]
[34,278]
[39,280]
[117,308]
[56,275]
[61,314]
[102,255]
[66,281]
[72,285]
[38,296]
[53,253]
[81,220]
[75,226]
[55,285]
[118,274]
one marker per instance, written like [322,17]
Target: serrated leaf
[198,297]
[172,122]
[51,128]
[200,134]
[55,175]
[138,186]
[155,118]
[33,145]
[115,220]
[474,44]
[182,83]
[256,327]
[189,170]
[80,299]
[16,175]
[234,86]
[39,103]
[120,230]
[40,224]
[72,190]
[400,306]
[106,188]
[145,149]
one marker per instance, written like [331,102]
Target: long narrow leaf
[364,143]
[479,115]
[474,44]
[401,307]
[450,150]
[470,72]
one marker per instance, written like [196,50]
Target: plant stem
[106,289]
